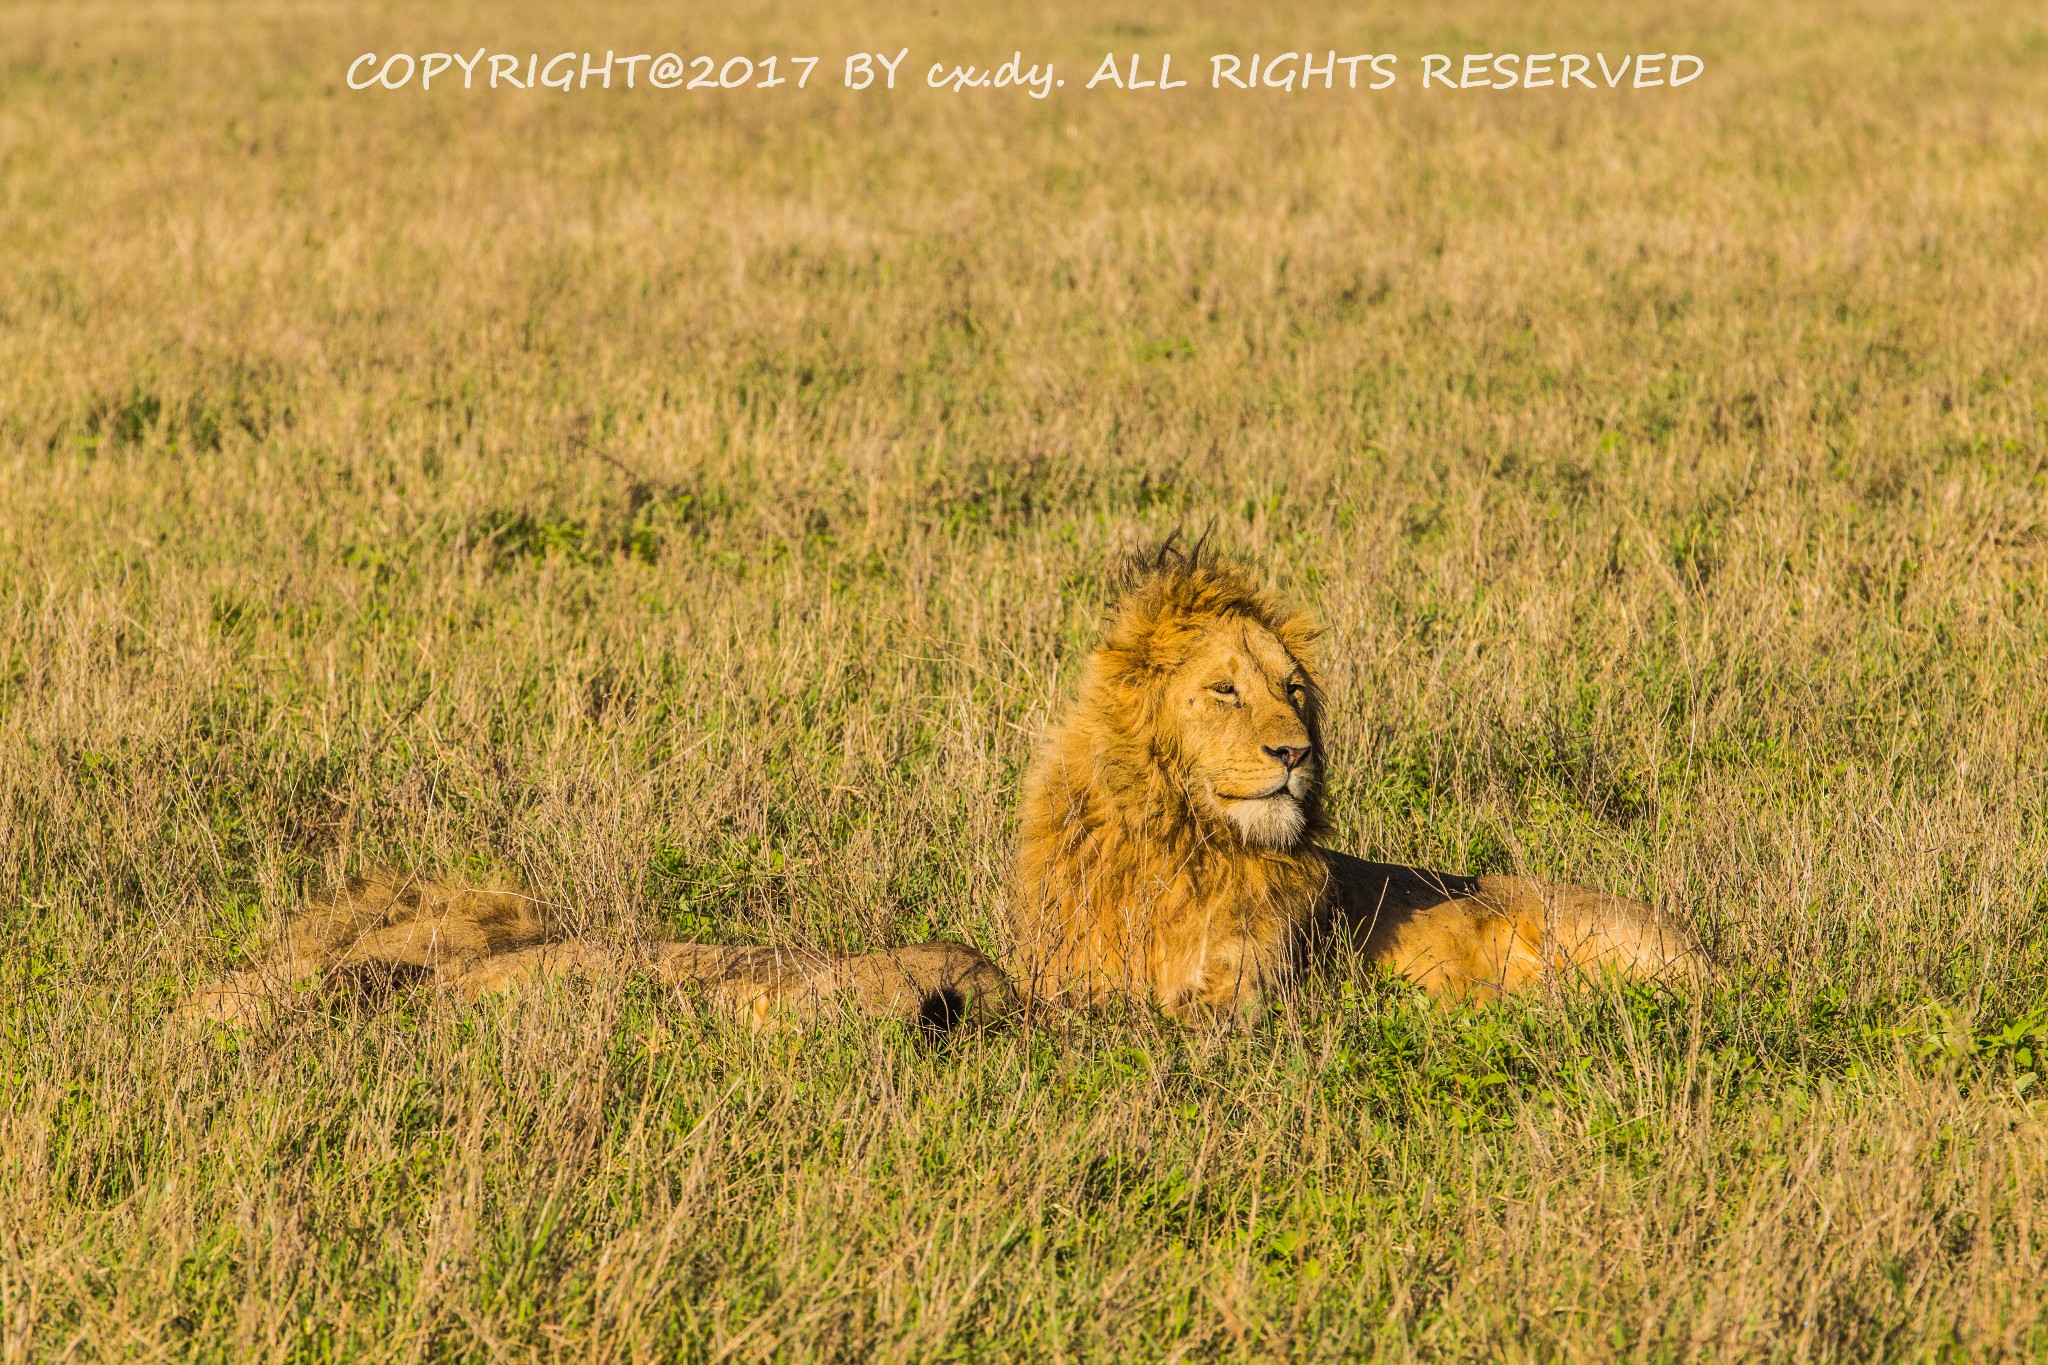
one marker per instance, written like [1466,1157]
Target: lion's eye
[1223,689]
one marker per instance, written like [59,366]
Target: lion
[1169,842]
[384,929]
[1168,849]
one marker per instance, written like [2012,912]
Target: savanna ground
[698,502]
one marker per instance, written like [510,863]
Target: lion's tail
[385,929]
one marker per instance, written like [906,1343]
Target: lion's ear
[1299,634]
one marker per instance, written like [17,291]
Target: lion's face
[1242,714]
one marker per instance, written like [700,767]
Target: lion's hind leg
[1576,932]
[1455,948]
[1516,934]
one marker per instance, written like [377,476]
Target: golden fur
[1168,848]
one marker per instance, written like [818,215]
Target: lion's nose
[1291,755]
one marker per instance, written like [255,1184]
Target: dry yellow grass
[696,505]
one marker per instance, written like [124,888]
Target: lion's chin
[1269,822]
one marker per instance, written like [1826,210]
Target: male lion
[1168,843]
[1167,850]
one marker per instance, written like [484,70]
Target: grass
[699,503]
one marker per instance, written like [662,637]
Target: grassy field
[698,502]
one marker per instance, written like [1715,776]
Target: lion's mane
[1124,880]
